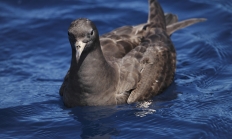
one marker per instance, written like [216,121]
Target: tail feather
[156,15]
[168,21]
[170,18]
[171,28]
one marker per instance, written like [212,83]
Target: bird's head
[82,36]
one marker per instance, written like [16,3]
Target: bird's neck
[92,74]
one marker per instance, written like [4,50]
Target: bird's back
[144,54]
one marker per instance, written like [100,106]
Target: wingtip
[156,13]
[202,19]
[182,24]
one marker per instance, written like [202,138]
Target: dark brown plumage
[129,64]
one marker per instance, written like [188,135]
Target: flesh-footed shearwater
[128,64]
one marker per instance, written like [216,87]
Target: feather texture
[128,64]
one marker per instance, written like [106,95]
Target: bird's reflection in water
[103,122]
[97,122]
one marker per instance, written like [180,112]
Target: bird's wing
[157,68]
[149,68]
[120,41]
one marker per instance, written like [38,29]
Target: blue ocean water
[35,56]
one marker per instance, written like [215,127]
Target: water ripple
[35,56]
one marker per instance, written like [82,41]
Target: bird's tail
[172,27]
[156,16]
[168,22]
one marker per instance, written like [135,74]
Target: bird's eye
[145,27]
[91,33]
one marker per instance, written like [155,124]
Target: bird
[126,65]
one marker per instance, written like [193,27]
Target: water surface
[35,56]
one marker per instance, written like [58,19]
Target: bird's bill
[79,45]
